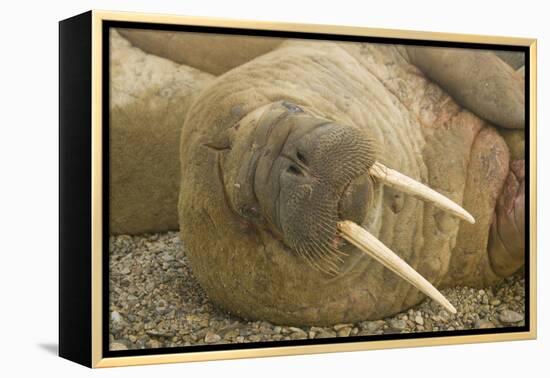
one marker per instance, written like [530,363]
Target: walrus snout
[309,173]
[335,159]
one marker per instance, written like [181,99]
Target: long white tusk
[373,247]
[406,184]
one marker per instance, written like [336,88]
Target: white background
[29,189]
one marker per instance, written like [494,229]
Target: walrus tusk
[399,181]
[373,247]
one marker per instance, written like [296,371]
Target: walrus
[152,86]
[149,96]
[211,53]
[332,182]
[375,105]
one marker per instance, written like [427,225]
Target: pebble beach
[155,302]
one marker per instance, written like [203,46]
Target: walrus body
[240,241]
[149,97]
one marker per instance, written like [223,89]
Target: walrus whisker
[320,258]
[324,255]
[311,260]
[399,181]
[373,247]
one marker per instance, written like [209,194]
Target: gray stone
[255,338]
[116,345]
[509,316]
[116,317]
[344,332]
[398,324]
[374,326]
[484,324]
[297,333]
[211,337]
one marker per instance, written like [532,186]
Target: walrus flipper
[478,80]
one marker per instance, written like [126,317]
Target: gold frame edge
[97,191]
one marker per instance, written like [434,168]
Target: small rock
[132,299]
[419,320]
[159,333]
[265,324]
[495,302]
[231,334]
[296,329]
[255,338]
[398,324]
[484,324]
[344,332]
[116,317]
[297,333]
[161,306]
[391,331]
[374,326]
[211,337]
[116,345]
[509,316]
[155,343]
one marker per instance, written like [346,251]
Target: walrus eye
[301,157]
[294,170]
[291,107]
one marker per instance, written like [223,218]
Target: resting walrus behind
[281,153]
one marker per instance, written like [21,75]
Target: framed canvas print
[234,189]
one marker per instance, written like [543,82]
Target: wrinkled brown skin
[149,100]
[479,81]
[418,129]
[515,139]
[212,53]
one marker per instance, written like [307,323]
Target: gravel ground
[155,302]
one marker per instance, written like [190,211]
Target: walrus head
[309,180]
